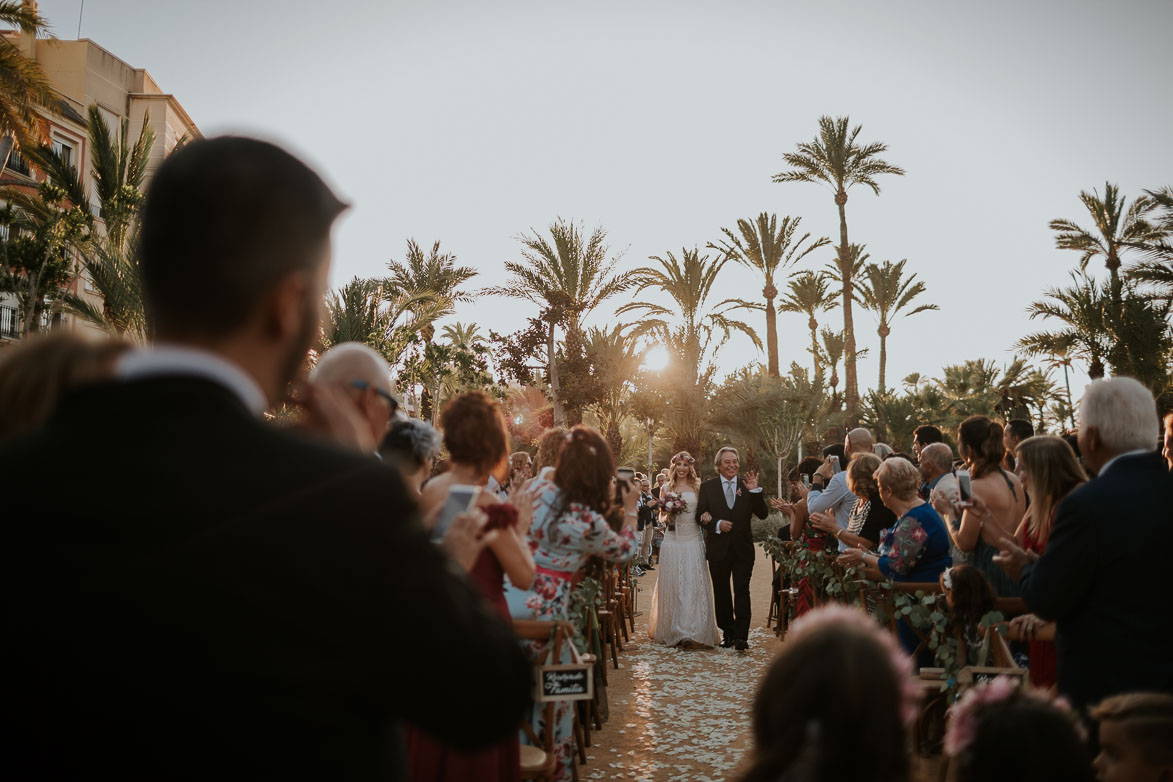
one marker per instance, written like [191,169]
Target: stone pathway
[677,714]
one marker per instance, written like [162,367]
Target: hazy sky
[470,122]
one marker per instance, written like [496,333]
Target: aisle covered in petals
[680,714]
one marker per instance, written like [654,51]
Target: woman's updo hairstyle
[585,470]
[983,438]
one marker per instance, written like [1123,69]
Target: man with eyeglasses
[360,375]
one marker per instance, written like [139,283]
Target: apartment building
[84,73]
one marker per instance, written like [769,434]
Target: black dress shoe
[741,646]
[726,643]
[648,567]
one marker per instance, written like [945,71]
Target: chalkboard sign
[571,682]
[972,675]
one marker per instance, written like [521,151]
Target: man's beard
[293,363]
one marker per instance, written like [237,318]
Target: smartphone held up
[460,498]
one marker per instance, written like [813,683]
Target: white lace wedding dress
[682,603]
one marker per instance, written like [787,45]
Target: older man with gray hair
[939,487]
[359,373]
[1101,578]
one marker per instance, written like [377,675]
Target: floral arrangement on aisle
[672,505]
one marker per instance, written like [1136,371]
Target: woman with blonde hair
[36,372]
[1050,471]
[682,602]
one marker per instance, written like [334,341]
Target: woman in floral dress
[575,518]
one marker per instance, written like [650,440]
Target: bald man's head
[935,459]
[364,377]
[859,441]
[350,361]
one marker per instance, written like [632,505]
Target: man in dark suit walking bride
[725,506]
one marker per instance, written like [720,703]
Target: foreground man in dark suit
[724,508]
[192,593]
[1102,578]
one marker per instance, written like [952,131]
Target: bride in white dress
[682,603]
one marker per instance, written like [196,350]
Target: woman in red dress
[1049,471]
[477,440]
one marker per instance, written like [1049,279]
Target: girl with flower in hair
[835,704]
[682,602]
[998,730]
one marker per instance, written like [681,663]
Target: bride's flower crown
[684,457]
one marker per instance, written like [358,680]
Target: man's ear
[1093,439]
[285,310]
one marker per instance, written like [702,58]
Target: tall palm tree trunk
[552,359]
[883,331]
[771,328]
[851,384]
[814,327]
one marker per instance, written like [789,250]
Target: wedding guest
[574,516]
[521,468]
[476,437]
[869,517]
[999,731]
[412,446]
[939,487]
[970,597]
[647,523]
[217,597]
[834,705]
[1016,430]
[361,375]
[37,371]
[1003,501]
[917,547]
[829,492]
[1049,472]
[661,479]
[882,450]
[1167,442]
[549,446]
[1135,738]
[1098,580]
[804,533]
[925,434]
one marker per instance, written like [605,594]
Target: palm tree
[810,294]
[691,328]
[615,361]
[886,291]
[109,255]
[1080,307]
[835,159]
[1117,228]
[433,276]
[566,275]
[1060,350]
[834,344]
[463,336]
[24,86]
[365,311]
[1157,269]
[766,246]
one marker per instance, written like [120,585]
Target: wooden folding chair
[538,761]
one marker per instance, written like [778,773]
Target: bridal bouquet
[672,504]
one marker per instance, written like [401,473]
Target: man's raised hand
[751,479]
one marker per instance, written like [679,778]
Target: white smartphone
[806,480]
[625,474]
[964,486]
[460,499]
[835,466]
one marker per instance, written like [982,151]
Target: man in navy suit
[724,507]
[1102,578]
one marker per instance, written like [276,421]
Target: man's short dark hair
[223,222]
[927,434]
[836,449]
[1020,429]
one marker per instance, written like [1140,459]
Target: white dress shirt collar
[1117,458]
[172,360]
